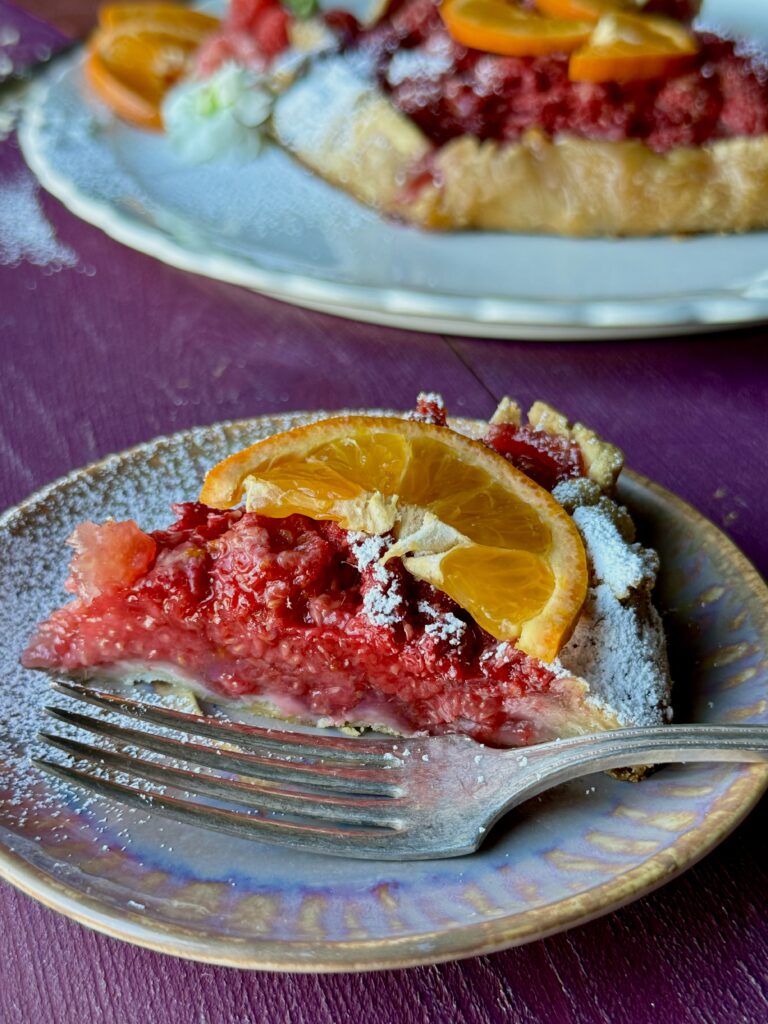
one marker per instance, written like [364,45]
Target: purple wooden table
[114,348]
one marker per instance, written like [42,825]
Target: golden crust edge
[578,187]
[603,461]
[566,186]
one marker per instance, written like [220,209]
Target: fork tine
[248,737]
[374,781]
[349,841]
[355,811]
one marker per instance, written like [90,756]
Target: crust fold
[347,131]
[573,186]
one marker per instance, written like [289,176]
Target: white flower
[224,115]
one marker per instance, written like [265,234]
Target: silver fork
[368,797]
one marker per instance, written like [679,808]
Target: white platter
[272,226]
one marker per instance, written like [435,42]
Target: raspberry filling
[545,458]
[294,610]
[252,34]
[450,90]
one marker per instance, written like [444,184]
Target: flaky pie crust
[565,186]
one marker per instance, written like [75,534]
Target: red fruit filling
[252,34]
[450,90]
[430,408]
[298,611]
[108,557]
[545,458]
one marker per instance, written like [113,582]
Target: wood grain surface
[119,348]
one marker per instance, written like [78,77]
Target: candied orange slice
[464,519]
[140,51]
[629,47]
[506,28]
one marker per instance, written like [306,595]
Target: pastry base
[347,131]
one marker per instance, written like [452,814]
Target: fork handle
[553,763]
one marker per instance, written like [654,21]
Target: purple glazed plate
[567,857]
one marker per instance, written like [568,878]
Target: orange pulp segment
[582,10]
[464,519]
[140,51]
[499,26]
[627,47]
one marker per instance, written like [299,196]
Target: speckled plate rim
[517,317]
[434,946]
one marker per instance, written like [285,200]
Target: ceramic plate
[274,227]
[560,860]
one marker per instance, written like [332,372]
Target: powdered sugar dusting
[576,492]
[367,549]
[620,649]
[618,645]
[25,233]
[444,626]
[622,566]
[383,602]
[383,598]
[419,63]
[448,627]
[323,102]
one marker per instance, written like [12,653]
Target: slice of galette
[386,572]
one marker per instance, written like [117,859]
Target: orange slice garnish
[464,519]
[140,51]
[167,15]
[582,10]
[629,47]
[505,28]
